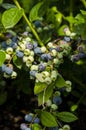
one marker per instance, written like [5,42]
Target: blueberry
[29,46]
[3,67]
[32,73]
[14,45]
[81,55]
[29,117]
[36,120]
[20,54]
[75,57]
[35,44]
[37,50]
[57,100]
[49,56]
[44,57]
[67,39]
[41,67]
[4,45]
[23,126]
[37,23]
[8,70]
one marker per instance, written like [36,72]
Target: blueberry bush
[43,53]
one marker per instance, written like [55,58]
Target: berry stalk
[29,24]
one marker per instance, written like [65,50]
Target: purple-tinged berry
[81,55]
[29,46]
[19,53]
[23,126]
[36,120]
[41,67]
[75,58]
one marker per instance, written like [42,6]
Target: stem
[29,24]
[84,3]
[71,13]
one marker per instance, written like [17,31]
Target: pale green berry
[28,64]
[25,58]
[54,106]
[53,53]
[50,44]
[68,82]
[54,74]
[68,89]
[59,55]
[22,46]
[45,74]
[13,75]
[32,53]
[30,59]
[34,67]
[60,129]
[48,103]
[47,80]
[26,52]
[57,93]
[8,57]
[6,75]
[66,127]
[56,61]
[9,50]
[43,49]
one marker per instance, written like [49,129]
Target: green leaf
[48,120]
[17,62]
[60,82]
[8,6]
[36,127]
[66,117]
[39,87]
[83,12]
[1,1]
[47,95]
[2,57]
[34,13]
[3,97]
[11,17]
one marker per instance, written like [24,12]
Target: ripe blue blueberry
[35,44]
[20,54]
[4,45]
[36,120]
[67,39]
[46,57]
[8,70]
[37,23]
[3,67]
[82,55]
[41,67]
[32,73]
[29,117]
[37,51]
[57,100]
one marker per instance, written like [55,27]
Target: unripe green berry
[26,52]
[8,57]
[45,74]
[56,61]
[9,50]
[25,58]
[34,67]
[32,53]
[66,127]
[13,75]
[48,103]
[54,106]
[48,80]
[43,49]
[30,59]
[54,74]
[50,44]
[53,53]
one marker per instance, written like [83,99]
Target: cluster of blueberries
[42,62]
[32,119]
